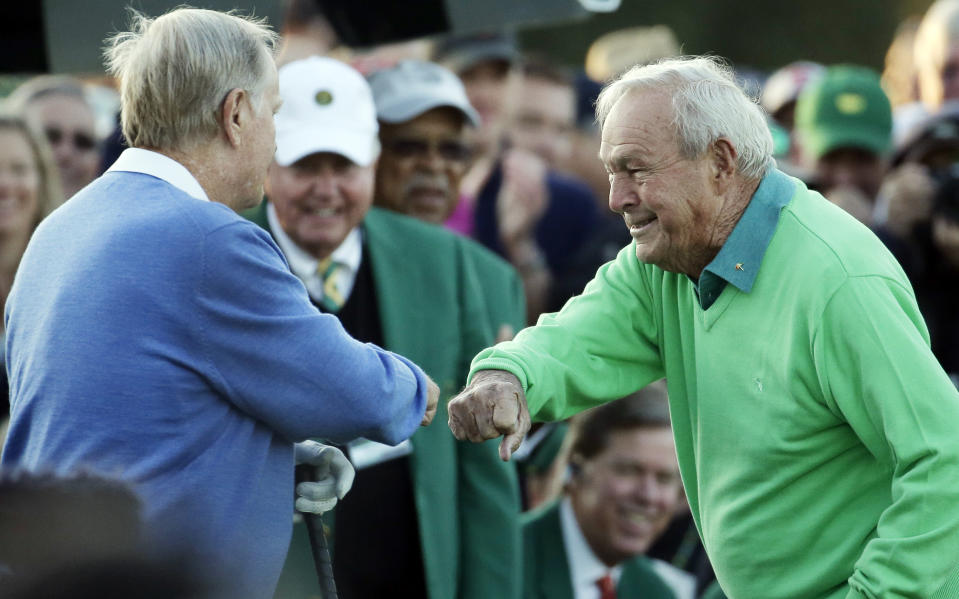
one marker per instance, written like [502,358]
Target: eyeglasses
[449,150]
[81,141]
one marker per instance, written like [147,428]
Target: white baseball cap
[327,107]
[412,87]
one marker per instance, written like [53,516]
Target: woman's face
[19,183]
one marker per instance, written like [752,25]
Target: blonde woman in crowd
[29,190]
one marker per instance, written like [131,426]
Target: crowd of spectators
[494,149]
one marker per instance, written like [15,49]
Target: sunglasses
[81,141]
[450,151]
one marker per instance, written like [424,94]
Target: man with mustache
[433,517]
[425,118]
[426,122]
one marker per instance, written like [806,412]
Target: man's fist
[493,404]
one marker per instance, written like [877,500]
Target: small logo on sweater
[758,383]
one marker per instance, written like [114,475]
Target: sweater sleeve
[603,345]
[276,357]
[878,371]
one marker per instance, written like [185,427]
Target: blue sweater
[162,339]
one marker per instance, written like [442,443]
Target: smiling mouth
[324,212]
[637,226]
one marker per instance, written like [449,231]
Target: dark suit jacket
[546,568]
[439,295]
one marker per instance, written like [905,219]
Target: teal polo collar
[738,260]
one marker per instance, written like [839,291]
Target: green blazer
[546,568]
[439,294]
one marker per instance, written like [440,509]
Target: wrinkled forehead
[635,131]
[641,106]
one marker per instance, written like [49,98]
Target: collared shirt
[584,567]
[737,262]
[349,254]
[148,162]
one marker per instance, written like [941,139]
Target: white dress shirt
[349,254]
[148,162]
[584,567]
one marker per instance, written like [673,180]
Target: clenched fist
[493,404]
[432,399]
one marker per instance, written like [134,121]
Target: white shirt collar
[303,265]
[148,162]
[584,567]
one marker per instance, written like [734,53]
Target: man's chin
[245,203]
[645,254]
[429,214]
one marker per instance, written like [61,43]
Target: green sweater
[815,430]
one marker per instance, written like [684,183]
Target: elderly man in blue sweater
[155,335]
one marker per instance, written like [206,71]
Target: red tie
[607,590]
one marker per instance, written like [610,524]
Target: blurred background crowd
[875,129]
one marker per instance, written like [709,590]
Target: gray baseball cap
[412,87]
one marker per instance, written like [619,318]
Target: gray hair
[707,104]
[43,86]
[176,70]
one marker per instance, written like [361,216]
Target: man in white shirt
[416,289]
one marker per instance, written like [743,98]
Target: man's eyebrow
[617,161]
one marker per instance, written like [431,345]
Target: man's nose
[845,176]
[324,183]
[622,194]
[431,160]
[648,490]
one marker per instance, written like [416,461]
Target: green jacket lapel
[547,567]
[639,579]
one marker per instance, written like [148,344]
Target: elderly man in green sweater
[814,428]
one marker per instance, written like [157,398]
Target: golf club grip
[314,528]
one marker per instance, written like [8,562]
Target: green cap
[845,108]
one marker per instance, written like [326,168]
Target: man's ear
[723,161]
[231,115]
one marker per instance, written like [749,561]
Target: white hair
[176,70]
[707,105]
